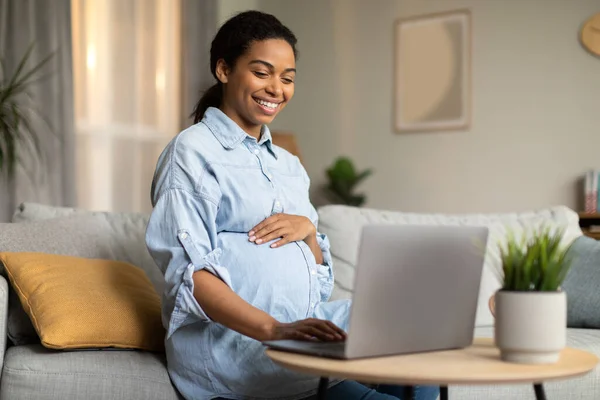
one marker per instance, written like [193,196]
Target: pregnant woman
[234,233]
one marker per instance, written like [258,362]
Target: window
[126,68]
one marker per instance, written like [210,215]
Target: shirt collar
[229,134]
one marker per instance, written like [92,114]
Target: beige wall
[228,8]
[536,104]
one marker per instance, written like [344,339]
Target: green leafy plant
[538,264]
[16,112]
[343,179]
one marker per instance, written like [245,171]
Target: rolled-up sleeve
[182,238]
[325,270]
[323,241]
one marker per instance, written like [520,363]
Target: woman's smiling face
[260,84]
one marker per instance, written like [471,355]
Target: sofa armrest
[3,318]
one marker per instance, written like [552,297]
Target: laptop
[416,290]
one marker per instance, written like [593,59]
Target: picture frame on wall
[432,68]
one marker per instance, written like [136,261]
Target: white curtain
[47,25]
[129,97]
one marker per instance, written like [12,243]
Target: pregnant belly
[276,281]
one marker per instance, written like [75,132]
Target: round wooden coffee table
[477,364]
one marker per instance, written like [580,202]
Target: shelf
[587,220]
[593,235]
[586,215]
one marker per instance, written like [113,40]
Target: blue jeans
[352,390]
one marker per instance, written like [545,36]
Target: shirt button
[313,272]
[184,235]
[255,151]
[269,176]
[277,204]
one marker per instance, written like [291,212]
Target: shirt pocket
[295,196]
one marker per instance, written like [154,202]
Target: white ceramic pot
[531,327]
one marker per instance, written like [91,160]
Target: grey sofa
[30,371]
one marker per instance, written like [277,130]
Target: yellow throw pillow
[78,303]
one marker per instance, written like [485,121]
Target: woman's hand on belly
[308,329]
[290,228]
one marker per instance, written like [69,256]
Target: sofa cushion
[37,373]
[35,211]
[76,302]
[342,224]
[126,227]
[90,236]
[581,284]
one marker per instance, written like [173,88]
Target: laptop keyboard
[333,346]
[332,349]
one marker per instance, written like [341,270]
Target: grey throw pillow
[91,236]
[36,211]
[581,284]
[126,228]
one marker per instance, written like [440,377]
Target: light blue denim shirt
[213,183]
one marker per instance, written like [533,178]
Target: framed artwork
[432,57]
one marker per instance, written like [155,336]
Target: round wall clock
[590,34]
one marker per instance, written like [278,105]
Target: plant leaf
[9,148]
[361,176]
[539,264]
[20,80]
[16,130]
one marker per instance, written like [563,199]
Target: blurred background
[117,79]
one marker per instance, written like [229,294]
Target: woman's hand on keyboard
[308,329]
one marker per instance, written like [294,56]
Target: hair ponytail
[211,98]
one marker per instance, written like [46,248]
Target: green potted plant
[531,308]
[17,133]
[342,180]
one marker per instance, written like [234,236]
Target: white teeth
[266,103]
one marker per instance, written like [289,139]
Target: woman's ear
[222,71]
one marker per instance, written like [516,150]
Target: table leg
[539,391]
[323,384]
[443,392]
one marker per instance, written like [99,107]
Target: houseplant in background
[531,308]
[342,180]
[17,113]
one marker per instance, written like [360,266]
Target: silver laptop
[416,290]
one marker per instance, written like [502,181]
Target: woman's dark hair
[232,41]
